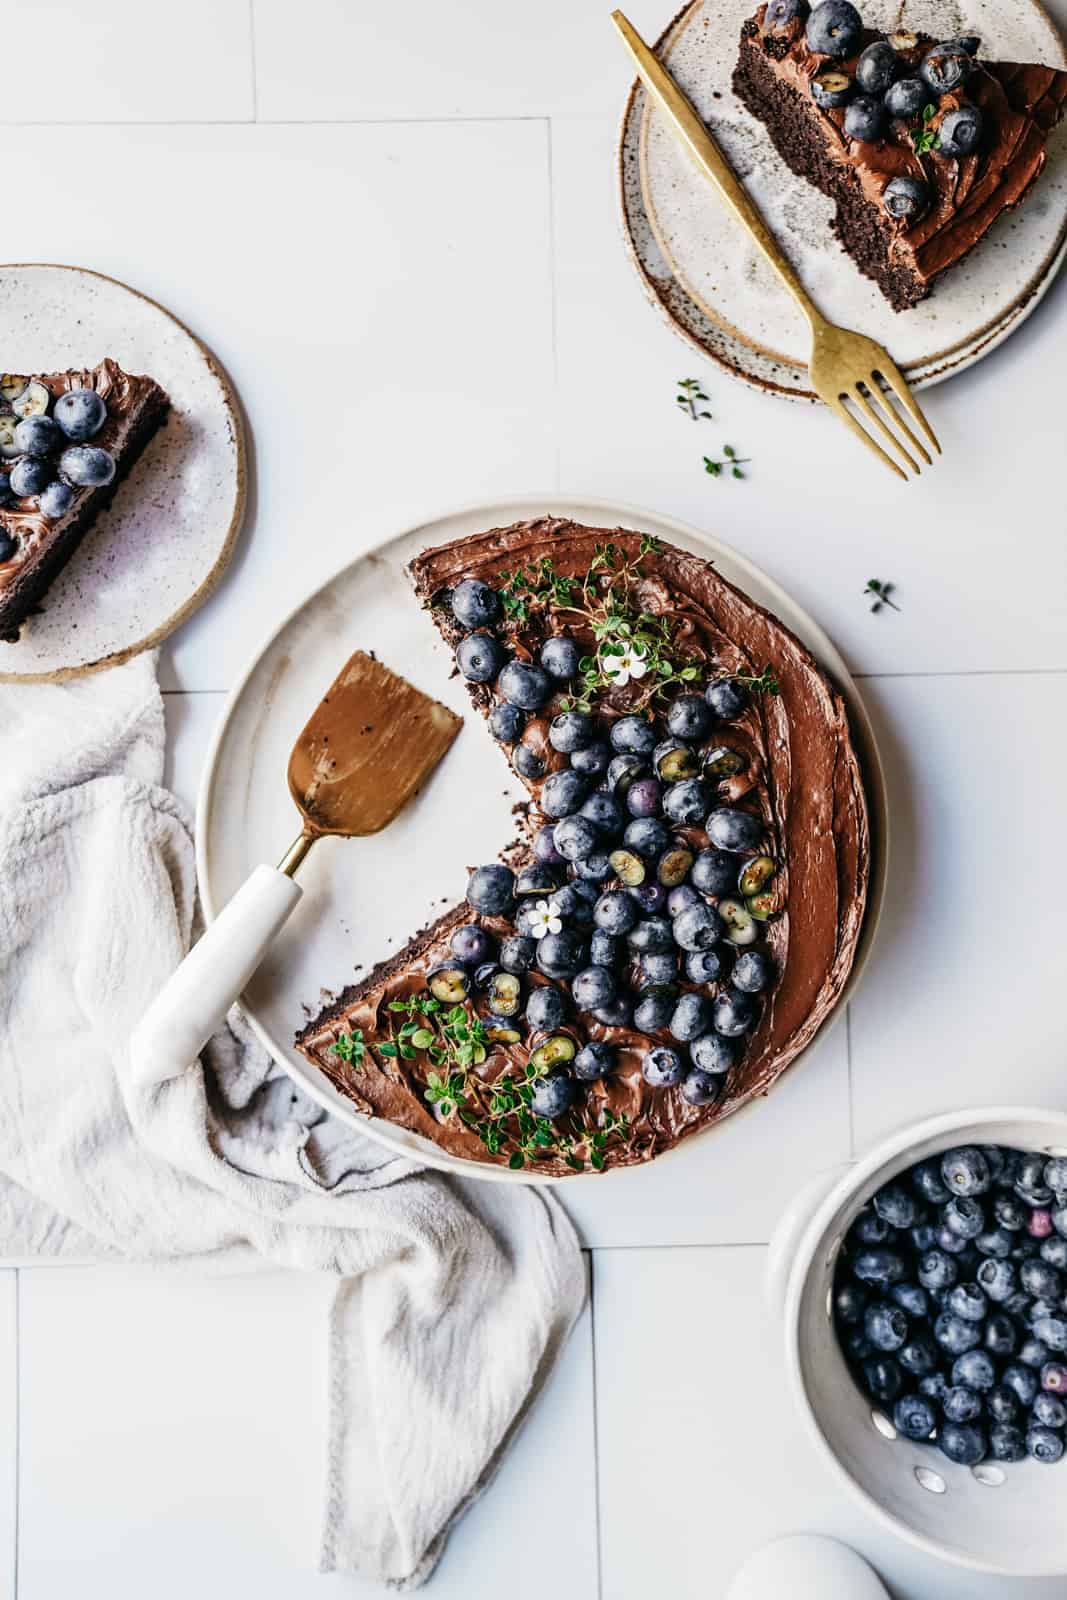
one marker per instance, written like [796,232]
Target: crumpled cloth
[453,1297]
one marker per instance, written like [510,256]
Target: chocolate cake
[66,441]
[921,145]
[683,909]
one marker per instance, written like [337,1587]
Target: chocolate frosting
[803,777]
[1019,103]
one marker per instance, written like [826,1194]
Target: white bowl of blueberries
[925,1302]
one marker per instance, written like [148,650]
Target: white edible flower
[631,665]
[544,920]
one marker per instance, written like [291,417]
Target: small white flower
[544,920]
[631,665]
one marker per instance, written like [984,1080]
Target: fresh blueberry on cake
[682,913]
[921,143]
[66,441]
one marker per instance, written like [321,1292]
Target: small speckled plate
[699,267]
[363,898]
[158,551]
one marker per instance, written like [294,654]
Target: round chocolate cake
[684,908]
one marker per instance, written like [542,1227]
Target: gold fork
[844,366]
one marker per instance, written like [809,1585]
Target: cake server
[370,745]
[844,366]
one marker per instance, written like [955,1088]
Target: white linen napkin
[453,1297]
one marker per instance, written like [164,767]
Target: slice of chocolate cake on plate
[922,144]
[684,908]
[66,441]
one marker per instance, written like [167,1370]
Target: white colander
[1010,1520]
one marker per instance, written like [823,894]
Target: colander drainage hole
[928,1479]
[883,1424]
[992,1477]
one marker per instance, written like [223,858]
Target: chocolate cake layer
[800,775]
[1019,104]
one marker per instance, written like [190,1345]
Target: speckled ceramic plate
[363,898]
[700,268]
[157,552]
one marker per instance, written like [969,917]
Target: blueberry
[691,1017]
[594,1060]
[945,67]
[1030,1181]
[1054,1377]
[1041,1280]
[714,872]
[620,1014]
[1049,1411]
[883,1379]
[605,949]
[681,898]
[562,792]
[906,98]
[652,934]
[1032,1353]
[480,657]
[544,846]
[920,1354]
[714,1054]
[592,761]
[560,656]
[644,798]
[955,1335]
[752,973]
[969,42]
[1039,1223]
[924,1237]
[886,1326]
[1000,1336]
[506,721]
[605,813]
[966,1300]
[995,1242]
[1044,1445]
[593,987]
[674,759]
[1051,1331]
[633,736]
[879,1267]
[1006,1443]
[623,770]
[905,198]
[8,546]
[472,945]
[834,28]
[965,1171]
[893,1203]
[963,1217]
[850,1302]
[910,1298]
[686,802]
[865,119]
[553,1095]
[869,1228]
[518,953]
[567,902]
[914,1416]
[963,1442]
[706,966]
[960,132]
[831,89]
[80,414]
[689,717]
[877,66]
[735,1013]
[546,1009]
[1009,1211]
[727,699]
[490,890]
[576,838]
[29,476]
[539,877]
[570,731]
[649,836]
[935,1387]
[662,1067]
[595,868]
[524,685]
[780,13]
[561,955]
[975,1370]
[1021,1380]
[660,967]
[950,1242]
[734,830]
[697,928]
[87,466]
[651,898]
[700,1088]
[39,436]
[1002,1404]
[616,912]
[55,500]
[653,1012]
[961,1404]
[527,763]
[1055,1175]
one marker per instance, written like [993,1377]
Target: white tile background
[396,226]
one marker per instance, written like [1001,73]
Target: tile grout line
[966,672]
[271,122]
[252,58]
[553,302]
[851,1098]
[596,1429]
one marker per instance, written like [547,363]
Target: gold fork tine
[874,390]
[839,409]
[898,384]
[857,395]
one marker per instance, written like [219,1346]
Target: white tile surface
[172,1427]
[959,1006]
[702,1455]
[8,1429]
[814,512]
[126,61]
[483,58]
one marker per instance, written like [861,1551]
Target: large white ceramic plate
[701,268]
[363,898]
[157,552]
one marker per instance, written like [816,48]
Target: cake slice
[921,145]
[683,909]
[66,441]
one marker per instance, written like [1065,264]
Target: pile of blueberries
[950,1302]
[46,455]
[888,85]
[616,906]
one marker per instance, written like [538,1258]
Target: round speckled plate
[363,898]
[157,552]
[699,267]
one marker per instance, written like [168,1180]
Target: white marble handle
[785,1241]
[196,998]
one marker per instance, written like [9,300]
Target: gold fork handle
[711,161]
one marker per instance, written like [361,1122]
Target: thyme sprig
[881,593]
[926,138]
[350,1047]
[691,398]
[731,464]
